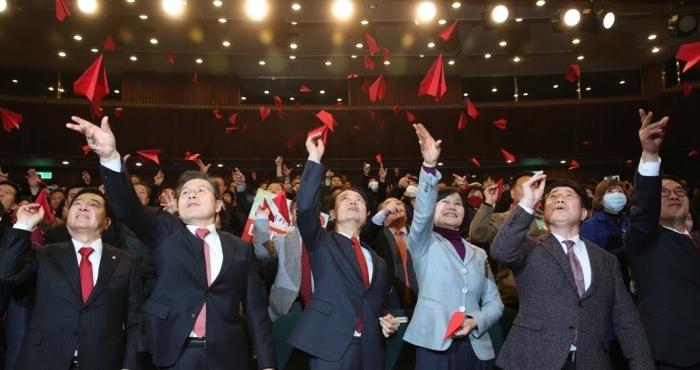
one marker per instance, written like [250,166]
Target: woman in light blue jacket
[453,276]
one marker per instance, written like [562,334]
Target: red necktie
[200,325]
[404,259]
[86,282]
[305,289]
[365,273]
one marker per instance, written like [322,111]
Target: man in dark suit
[569,288]
[87,311]
[665,259]
[192,319]
[342,325]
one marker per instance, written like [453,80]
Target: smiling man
[569,288]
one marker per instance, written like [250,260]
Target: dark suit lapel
[67,259]
[595,257]
[108,263]
[393,248]
[196,248]
[228,247]
[349,251]
[551,244]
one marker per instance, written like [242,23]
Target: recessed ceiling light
[61,90]
[421,55]
[386,62]
[652,37]
[15,81]
[133,58]
[540,3]
[339,99]
[655,50]
[116,91]
[562,161]
[525,94]
[94,50]
[588,89]
[243,97]
[173,7]
[51,88]
[580,57]
[359,45]
[322,92]
[222,20]
[456,4]
[353,56]
[143,16]
[154,41]
[65,162]
[328,62]
[622,82]
[518,19]
[515,95]
[296,6]
[364,22]
[440,164]
[226,43]
[556,86]
[431,44]
[266,92]
[465,94]
[61,54]
[217,3]
[220,165]
[487,56]
[451,62]
[199,60]
[516,59]
[575,41]
[262,62]
[503,43]
[77,37]
[294,23]
[87,6]
[130,1]
[494,89]
[291,98]
[442,21]
[293,45]
[139,164]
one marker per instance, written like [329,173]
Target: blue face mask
[614,201]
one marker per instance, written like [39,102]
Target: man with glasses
[569,288]
[192,320]
[665,259]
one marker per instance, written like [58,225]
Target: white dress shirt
[94,257]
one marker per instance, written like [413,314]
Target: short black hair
[148,190]
[108,206]
[77,185]
[517,177]
[676,179]
[448,191]
[14,186]
[568,184]
[356,189]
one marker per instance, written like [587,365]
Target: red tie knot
[85,251]
[355,242]
[202,233]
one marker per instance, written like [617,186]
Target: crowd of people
[127,275]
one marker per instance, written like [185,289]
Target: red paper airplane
[396,110]
[217,114]
[297,105]
[573,72]
[10,119]
[434,82]
[352,75]
[447,32]
[378,158]
[245,126]
[304,89]
[191,157]
[377,89]
[689,53]
[381,124]
[264,112]
[338,105]
[323,130]
[371,113]
[232,119]
[693,153]
[372,44]
[356,128]
[499,189]
[629,163]
[574,165]
[687,90]
[278,106]
[327,119]
[231,129]
[86,149]
[365,85]
[62,9]
[108,44]
[289,144]
[586,143]
[44,203]
[387,56]
[170,58]
[462,121]
[96,110]
[369,64]
[93,83]
[149,155]
[501,123]
[118,111]
[509,157]
[455,322]
[473,160]
[281,201]
[471,109]
[194,78]
[410,117]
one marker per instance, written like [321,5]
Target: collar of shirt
[96,245]
[685,231]
[349,237]
[403,230]
[211,228]
[578,244]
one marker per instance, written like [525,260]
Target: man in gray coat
[569,288]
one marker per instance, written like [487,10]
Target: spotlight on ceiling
[682,25]
[608,20]
[256,9]
[494,15]
[425,12]
[173,7]
[3,5]
[342,9]
[595,20]
[87,6]
[565,19]
[572,17]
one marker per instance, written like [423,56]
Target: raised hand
[315,148]
[491,194]
[4,176]
[238,177]
[403,183]
[30,214]
[86,177]
[158,178]
[170,205]
[429,148]
[202,167]
[651,135]
[329,174]
[533,189]
[286,171]
[262,210]
[460,181]
[278,160]
[100,139]
[32,178]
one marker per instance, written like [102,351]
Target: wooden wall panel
[178,89]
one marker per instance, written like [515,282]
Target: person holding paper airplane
[457,296]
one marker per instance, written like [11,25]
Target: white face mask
[614,201]
[373,185]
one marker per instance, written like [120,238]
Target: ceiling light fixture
[220,165]
[682,25]
[292,57]
[65,162]
[494,15]
[575,41]
[442,21]
[525,94]
[494,89]
[580,57]
[15,81]
[61,54]
[328,62]
[116,91]
[243,98]
[294,23]
[342,9]
[262,62]
[291,98]
[222,20]
[364,22]
[431,44]
[564,19]
[588,89]
[487,56]
[519,19]
[199,60]
[133,58]
[217,3]
[456,5]
[87,6]
[3,5]
[256,9]
[139,164]
[359,45]
[266,92]
[51,88]
[516,59]
[451,62]
[572,17]
[293,45]
[77,37]
[425,11]
[503,43]
[655,50]
[386,62]
[322,92]
[339,99]
[173,7]
[353,56]
[652,37]
[556,86]
[143,16]
[622,82]
[226,43]
[154,41]
[296,6]
[499,13]
[94,50]
[540,3]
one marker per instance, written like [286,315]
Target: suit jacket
[551,309]
[448,283]
[105,328]
[170,312]
[326,326]
[667,273]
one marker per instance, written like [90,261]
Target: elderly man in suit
[569,288]
[665,259]
[88,301]
[192,319]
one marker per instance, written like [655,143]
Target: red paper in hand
[323,130]
[297,105]
[574,165]
[266,205]
[386,55]
[44,203]
[191,157]
[689,53]
[396,110]
[264,112]
[369,64]
[447,32]
[10,119]
[471,109]
[371,113]
[327,119]
[365,85]
[93,83]
[455,322]
[377,89]
[410,116]
[62,9]
[462,121]
[304,89]
[118,111]
[217,114]
[687,90]
[434,82]
[281,201]
[232,119]
[109,44]
[501,123]
[473,160]
[499,189]
[372,44]
[86,149]
[509,157]
[149,155]
[573,72]
[378,157]
[170,58]
[194,78]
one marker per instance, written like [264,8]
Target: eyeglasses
[7,192]
[199,190]
[566,195]
[681,192]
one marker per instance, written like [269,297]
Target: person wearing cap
[665,258]
[569,288]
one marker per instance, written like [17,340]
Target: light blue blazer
[447,284]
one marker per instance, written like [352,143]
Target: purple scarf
[454,237]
